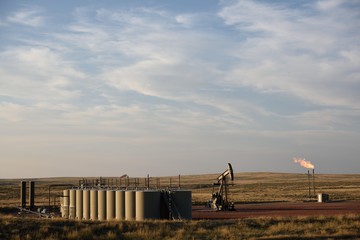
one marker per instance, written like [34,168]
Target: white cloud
[295,51]
[329,119]
[11,112]
[108,83]
[37,74]
[191,20]
[185,19]
[28,17]
[328,4]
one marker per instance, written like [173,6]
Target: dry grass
[339,227]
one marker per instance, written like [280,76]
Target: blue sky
[103,88]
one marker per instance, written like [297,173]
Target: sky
[159,87]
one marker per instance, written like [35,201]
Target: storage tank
[93,204]
[120,205]
[183,202]
[110,204]
[86,204]
[72,203]
[102,205]
[79,204]
[147,205]
[65,206]
[130,205]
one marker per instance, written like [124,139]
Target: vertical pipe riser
[31,195]
[23,194]
[314,182]
[309,184]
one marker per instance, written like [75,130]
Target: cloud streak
[29,17]
[37,74]
[247,80]
[301,53]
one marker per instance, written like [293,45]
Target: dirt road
[279,209]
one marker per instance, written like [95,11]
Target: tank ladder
[173,211]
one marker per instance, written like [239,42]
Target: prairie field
[246,188]
[330,227]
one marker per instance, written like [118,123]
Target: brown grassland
[248,187]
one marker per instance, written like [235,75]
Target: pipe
[31,195]
[309,184]
[57,185]
[148,181]
[23,194]
[314,181]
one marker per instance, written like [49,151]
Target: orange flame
[303,162]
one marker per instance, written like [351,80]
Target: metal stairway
[174,214]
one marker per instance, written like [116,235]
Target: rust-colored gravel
[279,209]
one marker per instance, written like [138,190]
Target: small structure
[323,197]
[31,195]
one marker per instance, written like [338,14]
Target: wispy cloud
[149,52]
[250,79]
[37,74]
[29,17]
[296,51]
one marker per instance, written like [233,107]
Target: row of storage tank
[109,204]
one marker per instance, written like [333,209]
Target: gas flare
[303,162]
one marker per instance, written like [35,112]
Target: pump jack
[219,200]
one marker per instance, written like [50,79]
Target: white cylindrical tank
[120,205]
[65,206]
[101,204]
[86,204]
[183,202]
[93,204]
[72,203]
[130,205]
[79,204]
[147,205]
[110,204]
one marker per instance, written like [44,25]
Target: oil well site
[226,195]
[235,205]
